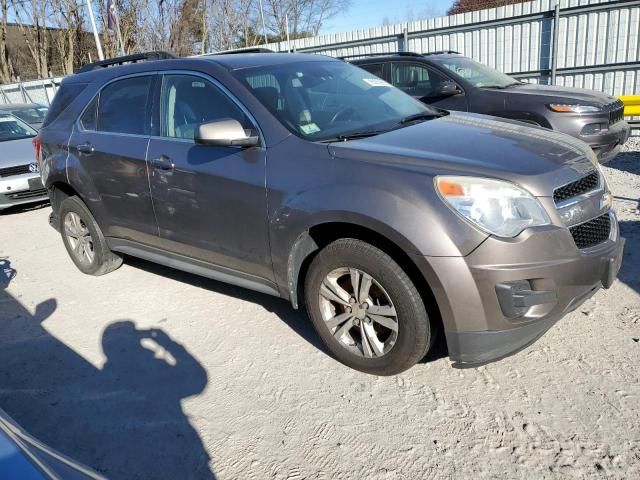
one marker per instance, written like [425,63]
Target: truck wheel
[366,309]
[84,240]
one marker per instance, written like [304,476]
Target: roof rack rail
[441,52]
[382,54]
[135,58]
[402,54]
[244,50]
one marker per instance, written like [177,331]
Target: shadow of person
[7,272]
[148,374]
[630,271]
[124,420]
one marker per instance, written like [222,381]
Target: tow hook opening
[516,298]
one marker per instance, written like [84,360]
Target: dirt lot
[152,373]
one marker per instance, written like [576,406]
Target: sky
[371,13]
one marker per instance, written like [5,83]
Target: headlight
[497,207]
[562,108]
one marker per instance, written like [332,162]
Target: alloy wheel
[79,238]
[358,312]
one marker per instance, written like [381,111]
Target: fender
[410,225]
[529,117]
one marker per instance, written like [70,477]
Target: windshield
[31,115]
[13,129]
[476,73]
[326,100]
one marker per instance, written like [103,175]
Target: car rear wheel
[366,309]
[84,240]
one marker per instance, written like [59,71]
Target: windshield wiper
[422,116]
[354,136]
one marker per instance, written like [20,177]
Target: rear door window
[416,80]
[376,68]
[88,120]
[124,106]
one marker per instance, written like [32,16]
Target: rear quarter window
[62,99]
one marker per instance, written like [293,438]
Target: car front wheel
[366,309]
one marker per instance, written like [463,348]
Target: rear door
[210,201]
[110,145]
[424,84]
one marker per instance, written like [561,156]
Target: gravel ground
[152,373]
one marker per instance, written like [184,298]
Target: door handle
[162,163]
[86,148]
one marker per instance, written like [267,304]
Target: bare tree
[67,38]
[6,64]
[462,6]
[31,17]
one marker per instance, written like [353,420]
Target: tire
[90,254]
[385,352]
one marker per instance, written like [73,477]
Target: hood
[17,152]
[478,145]
[554,93]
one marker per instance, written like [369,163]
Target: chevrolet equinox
[310,179]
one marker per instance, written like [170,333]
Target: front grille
[9,171]
[580,186]
[593,232]
[41,192]
[616,112]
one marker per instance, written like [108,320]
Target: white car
[20,181]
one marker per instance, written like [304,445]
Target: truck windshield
[13,129]
[476,73]
[319,100]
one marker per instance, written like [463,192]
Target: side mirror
[225,132]
[448,89]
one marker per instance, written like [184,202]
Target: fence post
[554,44]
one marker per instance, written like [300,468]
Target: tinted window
[13,129]
[416,80]
[67,92]
[376,68]
[88,119]
[188,101]
[123,106]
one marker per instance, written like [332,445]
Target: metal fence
[596,42]
[36,91]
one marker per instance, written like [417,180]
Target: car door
[210,201]
[110,145]
[425,84]
[380,69]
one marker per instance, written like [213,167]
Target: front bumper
[21,189]
[607,145]
[554,270]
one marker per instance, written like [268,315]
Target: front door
[111,146]
[210,201]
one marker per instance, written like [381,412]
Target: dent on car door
[110,146]
[209,200]
[426,85]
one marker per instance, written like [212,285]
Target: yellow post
[631,105]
